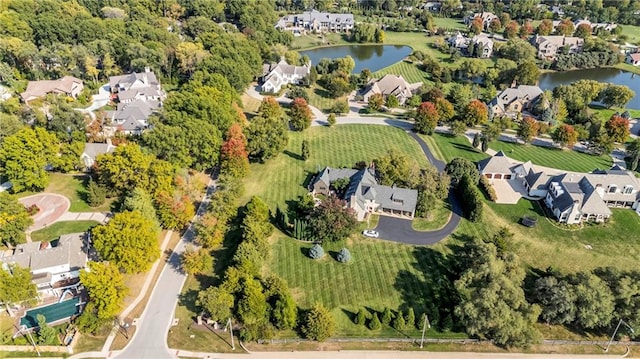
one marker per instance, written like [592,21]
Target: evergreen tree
[361,317]
[374,323]
[305,150]
[386,316]
[476,140]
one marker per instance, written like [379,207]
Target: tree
[426,118]
[557,299]
[476,140]
[565,135]
[344,256]
[525,30]
[458,128]
[375,102]
[331,119]
[458,167]
[594,301]
[495,25]
[361,317]
[476,26]
[617,128]
[331,220]
[374,322]
[174,210]
[492,302]
[396,168]
[633,149]
[251,304]
[128,240]
[16,286]
[398,322]
[410,318]
[105,287]
[616,95]
[444,108]
[14,220]
[565,27]
[528,129]
[316,251]
[96,194]
[583,31]
[196,261]
[24,156]
[234,158]
[140,201]
[300,114]
[270,108]
[511,30]
[284,311]
[46,334]
[305,150]
[518,50]
[386,316]
[318,324]
[475,113]
[545,27]
[217,302]
[266,138]
[392,102]
[527,72]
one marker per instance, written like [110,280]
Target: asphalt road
[150,338]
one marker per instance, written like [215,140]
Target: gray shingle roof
[70,250]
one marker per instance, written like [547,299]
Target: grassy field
[437,218]
[250,104]
[633,32]
[319,97]
[72,187]
[606,113]
[446,147]
[59,228]
[408,71]
[283,178]
[551,157]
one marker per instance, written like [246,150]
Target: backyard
[57,229]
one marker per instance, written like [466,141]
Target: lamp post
[616,331]
[424,327]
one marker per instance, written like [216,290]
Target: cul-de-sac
[354,179]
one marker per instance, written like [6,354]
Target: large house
[138,95]
[364,195]
[514,100]
[68,85]
[633,59]
[316,21]
[92,150]
[50,266]
[481,43]
[549,47]
[595,26]
[487,18]
[571,197]
[277,75]
[390,85]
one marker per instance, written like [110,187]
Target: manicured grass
[606,113]
[551,244]
[449,23]
[628,67]
[567,160]
[633,32]
[283,178]
[381,274]
[407,70]
[57,229]
[72,187]
[319,98]
[446,147]
[438,217]
[250,104]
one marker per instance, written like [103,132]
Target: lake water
[550,80]
[372,57]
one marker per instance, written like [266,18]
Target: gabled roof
[41,88]
[92,150]
[126,81]
[635,57]
[71,250]
[498,163]
[523,93]
[392,85]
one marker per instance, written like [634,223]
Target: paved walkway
[97,101]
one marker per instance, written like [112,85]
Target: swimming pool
[53,312]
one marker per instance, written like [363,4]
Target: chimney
[147,69]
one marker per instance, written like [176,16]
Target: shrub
[341,106]
[386,316]
[96,194]
[398,322]
[410,317]
[344,255]
[361,317]
[33,209]
[316,251]
[488,188]
[374,323]
[318,324]
[471,198]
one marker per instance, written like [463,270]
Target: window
[628,189]
[613,189]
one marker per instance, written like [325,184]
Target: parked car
[370,233]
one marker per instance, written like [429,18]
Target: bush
[398,322]
[33,209]
[374,323]
[361,317]
[471,198]
[316,251]
[344,255]
[96,194]
[410,317]
[386,316]
[318,324]
[488,188]
[298,92]
[340,107]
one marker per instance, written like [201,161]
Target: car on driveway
[370,233]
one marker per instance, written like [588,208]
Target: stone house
[364,195]
[487,18]
[549,47]
[390,85]
[277,75]
[514,100]
[316,21]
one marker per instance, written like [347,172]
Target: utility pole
[230,325]
[616,331]
[424,327]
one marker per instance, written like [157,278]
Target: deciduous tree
[475,113]
[217,302]
[24,155]
[234,159]
[426,118]
[16,286]
[14,220]
[196,261]
[565,27]
[528,129]
[545,27]
[106,288]
[616,95]
[300,114]
[266,138]
[332,221]
[375,102]
[617,128]
[565,135]
[128,240]
[444,108]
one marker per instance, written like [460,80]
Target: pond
[619,77]
[372,57]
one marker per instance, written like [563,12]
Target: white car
[370,233]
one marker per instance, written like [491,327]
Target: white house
[49,265]
[316,21]
[277,75]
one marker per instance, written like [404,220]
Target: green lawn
[606,113]
[319,98]
[551,157]
[59,228]
[283,178]
[633,32]
[408,71]
[436,219]
[446,147]
[72,187]
[449,23]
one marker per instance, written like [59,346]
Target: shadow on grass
[295,156]
[351,315]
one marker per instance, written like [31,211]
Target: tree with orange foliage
[477,25]
[174,211]
[617,128]
[565,27]
[475,113]
[300,114]
[528,129]
[511,30]
[565,135]
[426,118]
[234,158]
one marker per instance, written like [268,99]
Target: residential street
[150,338]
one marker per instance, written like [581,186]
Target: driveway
[508,191]
[51,208]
